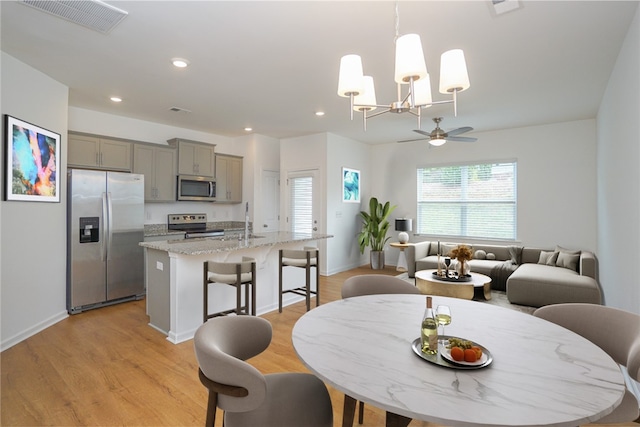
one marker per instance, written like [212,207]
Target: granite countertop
[209,245]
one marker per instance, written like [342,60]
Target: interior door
[270,201]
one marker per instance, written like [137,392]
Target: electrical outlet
[159,266]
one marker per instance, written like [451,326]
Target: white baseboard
[10,342]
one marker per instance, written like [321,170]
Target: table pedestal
[402,258]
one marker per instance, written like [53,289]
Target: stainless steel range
[194,225]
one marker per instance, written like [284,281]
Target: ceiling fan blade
[413,140]
[458,131]
[422,132]
[461,139]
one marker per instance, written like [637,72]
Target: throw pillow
[491,256]
[569,251]
[480,254]
[548,258]
[568,260]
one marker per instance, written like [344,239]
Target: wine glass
[443,317]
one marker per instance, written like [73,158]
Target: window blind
[470,200]
[301,209]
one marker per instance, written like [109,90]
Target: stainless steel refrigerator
[105,223]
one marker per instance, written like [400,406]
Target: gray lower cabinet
[98,153]
[158,165]
[228,179]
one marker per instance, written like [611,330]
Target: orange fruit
[478,351]
[457,354]
[470,355]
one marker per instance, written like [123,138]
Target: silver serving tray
[437,359]
[453,277]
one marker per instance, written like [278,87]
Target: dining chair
[248,397]
[307,259]
[237,274]
[615,331]
[372,284]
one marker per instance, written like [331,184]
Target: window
[301,196]
[469,200]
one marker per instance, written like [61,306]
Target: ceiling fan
[438,137]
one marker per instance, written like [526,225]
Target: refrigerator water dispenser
[89,229]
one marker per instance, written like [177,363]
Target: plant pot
[377,260]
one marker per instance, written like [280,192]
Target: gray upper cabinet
[98,153]
[158,165]
[228,179]
[195,158]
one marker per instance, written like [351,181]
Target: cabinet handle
[97,158]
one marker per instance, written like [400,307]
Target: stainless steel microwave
[196,188]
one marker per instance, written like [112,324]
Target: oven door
[196,188]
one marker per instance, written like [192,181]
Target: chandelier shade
[422,90]
[409,59]
[453,72]
[351,78]
[366,101]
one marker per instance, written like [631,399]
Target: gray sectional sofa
[530,276]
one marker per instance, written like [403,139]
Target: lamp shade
[403,224]
[409,59]
[453,72]
[351,79]
[367,99]
[422,89]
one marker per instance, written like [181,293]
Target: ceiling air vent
[92,14]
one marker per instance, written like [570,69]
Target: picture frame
[32,162]
[350,185]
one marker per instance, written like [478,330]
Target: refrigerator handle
[110,224]
[103,245]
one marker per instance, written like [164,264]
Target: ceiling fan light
[409,59]
[437,142]
[351,79]
[422,89]
[367,99]
[453,72]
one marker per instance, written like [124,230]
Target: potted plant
[374,231]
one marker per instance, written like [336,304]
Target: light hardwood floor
[107,367]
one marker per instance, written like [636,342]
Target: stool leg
[280,284]
[317,278]
[308,279]
[253,289]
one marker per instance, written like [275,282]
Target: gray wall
[33,234]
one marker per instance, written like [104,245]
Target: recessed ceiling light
[319,113]
[248,129]
[116,99]
[180,63]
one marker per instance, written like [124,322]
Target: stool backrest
[222,345]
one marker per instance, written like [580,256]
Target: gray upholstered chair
[247,397]
[237,274]
[615,331]
[306,258]
[372,284]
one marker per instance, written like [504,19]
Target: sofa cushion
[568,260]
[548,258]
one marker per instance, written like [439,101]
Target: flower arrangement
[461,253]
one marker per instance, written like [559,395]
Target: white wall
[556,178]
[33,234]
[619,178]
[343,219]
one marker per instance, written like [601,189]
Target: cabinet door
[196,159]
[115,155]
[234,180]
[165,174]
[83,151]
[187,159]
[205,160]
[222,192]
[143,159]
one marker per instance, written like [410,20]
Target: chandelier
[410,72]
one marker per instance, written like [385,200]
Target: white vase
[463,268]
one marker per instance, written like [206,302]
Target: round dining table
[540,373]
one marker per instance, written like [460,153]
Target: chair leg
[212,406]
[360,412]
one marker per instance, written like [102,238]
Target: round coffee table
[431,285]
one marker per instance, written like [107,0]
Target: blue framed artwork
[350,185]
[32,162]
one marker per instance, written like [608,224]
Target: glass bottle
[429,330]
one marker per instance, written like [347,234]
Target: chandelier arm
[351,97]
[378,113]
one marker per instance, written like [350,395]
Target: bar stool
[305,258]
[236,274]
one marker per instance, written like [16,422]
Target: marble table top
[210,245]
[542,374]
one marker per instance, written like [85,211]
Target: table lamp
[403,225]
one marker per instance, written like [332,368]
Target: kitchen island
[174,277]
